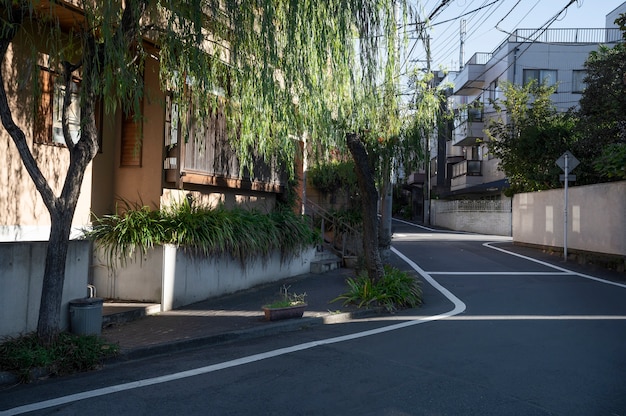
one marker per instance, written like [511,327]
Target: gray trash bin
[86,316]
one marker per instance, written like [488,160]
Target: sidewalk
[236,316]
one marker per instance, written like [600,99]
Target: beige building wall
[107,183]
[143,184]
[24,215]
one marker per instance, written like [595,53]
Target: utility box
[86,316]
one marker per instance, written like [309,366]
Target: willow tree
[281,68]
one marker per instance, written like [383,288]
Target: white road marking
[585,276]
[459,307]
[503,273]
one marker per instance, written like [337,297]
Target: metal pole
[565,209]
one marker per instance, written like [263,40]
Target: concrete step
[325,265]
[117,312]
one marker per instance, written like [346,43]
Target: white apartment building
[462,167]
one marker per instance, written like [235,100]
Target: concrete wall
[174,278]
[484,217]
[21,278]
[596,218]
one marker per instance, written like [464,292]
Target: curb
[290,325]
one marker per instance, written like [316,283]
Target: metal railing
[503,205]
[467,167]
[343,239]
[574,35]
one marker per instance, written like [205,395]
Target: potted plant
[289,305]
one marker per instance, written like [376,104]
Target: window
[475,112]
[48,126]
[547,76]
[578,83]
[494,91]
[131,141]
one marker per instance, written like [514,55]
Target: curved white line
[543,263]
[419,226]
[459,307]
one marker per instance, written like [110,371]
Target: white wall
[484,217]
[596,213]
[170,276]
[21,278]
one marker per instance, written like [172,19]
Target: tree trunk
[369,198]
[61,208]
[49,322]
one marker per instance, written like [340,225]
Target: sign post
[567,162]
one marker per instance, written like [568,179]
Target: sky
[487,22]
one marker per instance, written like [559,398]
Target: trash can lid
[86,301]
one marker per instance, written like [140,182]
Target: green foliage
[531,138]
[395,290]
[284,67]
[332,176]
[352,217]
[612,162]
[287,299]
[240,233]
[603,116]
[68,354]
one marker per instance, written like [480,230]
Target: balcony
[465,181]
[466,174]
[471,79]
[467,168]
[470,130]
[206,158]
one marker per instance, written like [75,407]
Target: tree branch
[7,34]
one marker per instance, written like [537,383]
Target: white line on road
[586,276]
[459,307]
[503,273]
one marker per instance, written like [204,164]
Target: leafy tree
[603,112]
[103,58]
[284,67]
[529,136]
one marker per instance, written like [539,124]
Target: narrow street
[499,334]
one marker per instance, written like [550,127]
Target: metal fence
[503,205]
[578,35]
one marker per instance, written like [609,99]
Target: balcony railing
[468,168]
[575,35]
[479,58]
[206,157]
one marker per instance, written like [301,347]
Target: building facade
[461,165]
[141,161]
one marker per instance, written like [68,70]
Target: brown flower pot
[275,314]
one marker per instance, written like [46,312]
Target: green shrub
[331,176]
[67,355]
[395,290]
[241,233]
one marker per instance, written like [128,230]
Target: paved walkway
[236,316]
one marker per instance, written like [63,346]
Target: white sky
[482,35]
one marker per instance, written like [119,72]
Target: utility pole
[426,40]
[462,44]
[386,197]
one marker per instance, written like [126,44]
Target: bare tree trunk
[369,198]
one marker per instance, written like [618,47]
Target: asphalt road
[499,334]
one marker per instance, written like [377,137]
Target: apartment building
[461,166]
